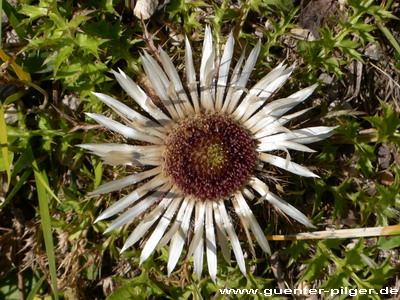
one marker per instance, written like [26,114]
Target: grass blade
[44,199]
[98,174]
[340,234]
[389,36]
[3,134]
[35,289]
[1,22]
[17,187]
[4,143]
[22,75]
[44,182]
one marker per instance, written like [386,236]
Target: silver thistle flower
[202,154]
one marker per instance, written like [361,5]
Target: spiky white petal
[272,146]
[221,234]
[141,98]
[197,245]
[224,71]
[125,181]
[122,154]
[156,67]
[198,257]
[268,126]
[288,209]
[207,72]
[211,246]
[140,122]
[124,130]
[262,91]
[161,88]
[185,104]
[206,54]
[191,76]
[278,107]
[206,88]
[286,165]
[237,250]
[135,211]
[178,240]
[133,197]
[255,227]
[312,134]
[175,226]
[102,149]
[233,83]
[159,230]
[245,224]
[147,222]
[244,77]
[301,136]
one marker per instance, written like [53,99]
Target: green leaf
[61,57]
[32,11]
[353,256]
[347,43]
[328,40]
[108,6]
[126,292]
[89,44]
[386,123]
[381,274]
[363,27]
[15,20]
[61,24]
[379,11]
[386,243]
[14,97]
[366,156]
[315,266]
[355,54]
[78,20]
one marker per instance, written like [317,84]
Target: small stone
[11,115]
[144,9]
[373,52]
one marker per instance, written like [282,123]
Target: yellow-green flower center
[212,156]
